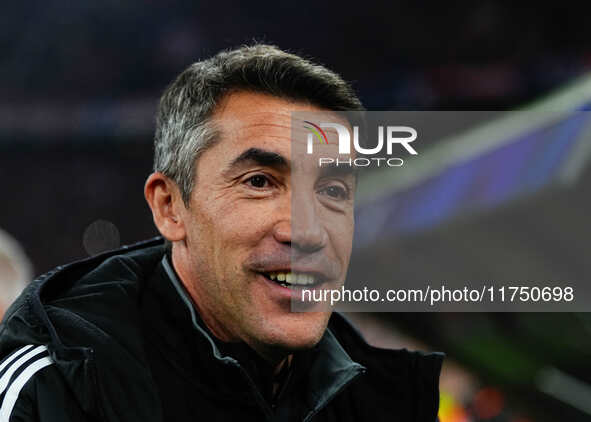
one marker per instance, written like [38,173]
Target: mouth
[293,279]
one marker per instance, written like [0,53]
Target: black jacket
[115,338]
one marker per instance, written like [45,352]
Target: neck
[206,310]
[276,358]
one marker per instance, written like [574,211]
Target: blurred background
[78,90]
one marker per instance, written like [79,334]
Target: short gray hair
[183,123]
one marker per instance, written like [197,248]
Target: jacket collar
[61,310]
[322,374]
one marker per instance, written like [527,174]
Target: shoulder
[428,363]
[30,386]
[108,271]
[70,303]
[397,380]
[81,309]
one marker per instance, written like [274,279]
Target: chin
[296,331]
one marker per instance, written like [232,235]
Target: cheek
[232,234]
[340,232]
[247,222]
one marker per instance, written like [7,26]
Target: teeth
[296,279]
[305,279]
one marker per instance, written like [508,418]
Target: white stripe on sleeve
[14,356]
[16,387]
[14,367]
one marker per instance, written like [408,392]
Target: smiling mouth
[293,279]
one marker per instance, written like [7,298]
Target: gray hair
[183,123]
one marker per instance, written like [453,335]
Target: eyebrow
[261,157]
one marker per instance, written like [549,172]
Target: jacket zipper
[258,396]
[325,403]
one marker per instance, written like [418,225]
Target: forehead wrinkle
[264,118]
[261,130]
[271,121]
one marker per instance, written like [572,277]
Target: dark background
[79,83]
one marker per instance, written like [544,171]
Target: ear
[164,199]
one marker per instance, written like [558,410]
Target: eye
[335,192]
[258,181]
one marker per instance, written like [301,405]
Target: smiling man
[199,323]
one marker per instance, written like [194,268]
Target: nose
[302,229]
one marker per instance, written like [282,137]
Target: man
[15,270]
[199,324]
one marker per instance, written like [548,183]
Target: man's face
[241,228]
